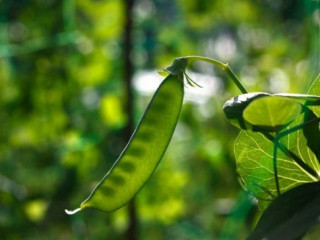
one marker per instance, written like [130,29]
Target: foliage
[291,215]
[62,113]
[270,115]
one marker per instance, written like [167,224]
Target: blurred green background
[64,121]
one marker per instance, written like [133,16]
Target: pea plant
[277,151]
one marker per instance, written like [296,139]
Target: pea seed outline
[129,173]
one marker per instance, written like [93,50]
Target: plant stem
[223,66]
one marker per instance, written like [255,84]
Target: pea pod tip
[71,212]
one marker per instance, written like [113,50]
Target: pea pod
[144,150]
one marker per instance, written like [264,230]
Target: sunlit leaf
[234,108]
[254,151]
[254,155]
[271,111]
[315,89]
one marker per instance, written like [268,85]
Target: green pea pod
[144,150]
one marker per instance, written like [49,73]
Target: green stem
[223,66]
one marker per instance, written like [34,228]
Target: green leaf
[234,107]
[254,156]
[254,151]
[291,215]
[271,112]
[315,90]
[311,132]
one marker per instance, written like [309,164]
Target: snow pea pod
[144,150]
